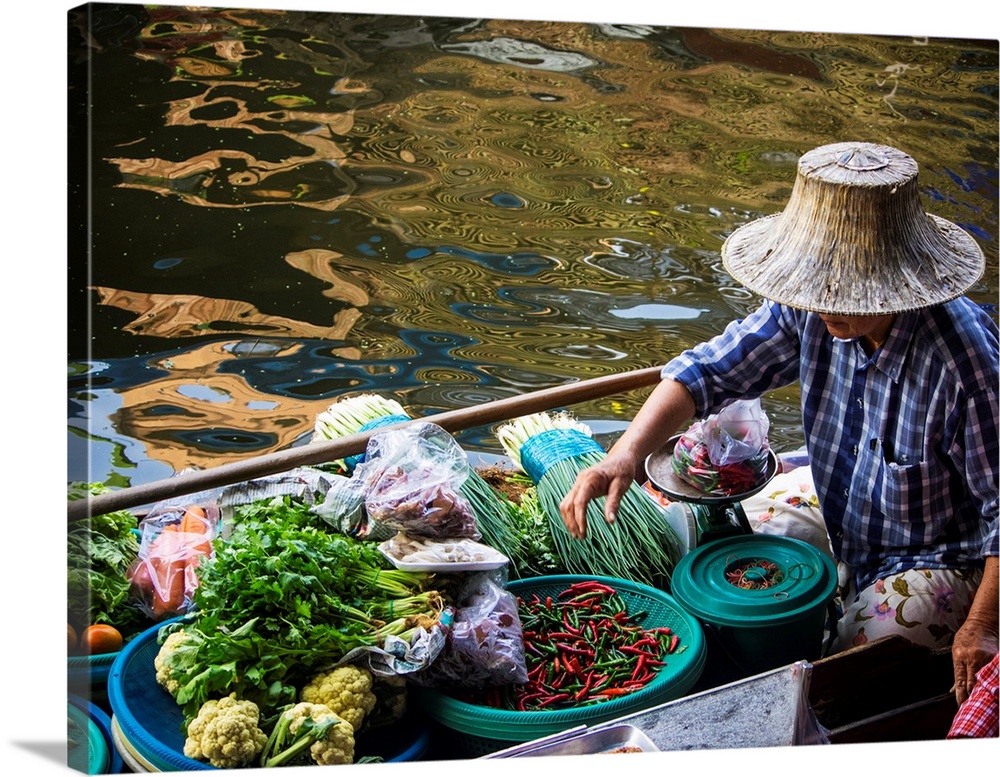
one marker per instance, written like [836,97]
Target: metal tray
[592,741]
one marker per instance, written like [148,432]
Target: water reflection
[288,206]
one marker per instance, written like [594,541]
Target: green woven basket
[474,730]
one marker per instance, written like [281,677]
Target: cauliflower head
[346,689]
[161,662]
[313,728]
[226,733]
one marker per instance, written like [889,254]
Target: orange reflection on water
[190,315]
[168,414]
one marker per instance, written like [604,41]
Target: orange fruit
[101,638]
[72,639]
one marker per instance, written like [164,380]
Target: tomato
[101,638]
[72,639]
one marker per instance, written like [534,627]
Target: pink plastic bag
[175,539]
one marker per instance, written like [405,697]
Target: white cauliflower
[309,728]
[164,672]
[346,689]
[226,733]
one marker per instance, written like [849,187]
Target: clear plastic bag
[412,478]
[727,453]
[736,433]
[175,537]
[485,646]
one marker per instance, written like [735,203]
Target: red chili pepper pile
[691,462]
[583,647]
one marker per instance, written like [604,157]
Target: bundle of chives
[639,546]
[365,412]
[351,415]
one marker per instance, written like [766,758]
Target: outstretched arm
[669,406]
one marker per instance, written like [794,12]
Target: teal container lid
[806,580]
[87,750]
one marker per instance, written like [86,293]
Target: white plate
[486,558]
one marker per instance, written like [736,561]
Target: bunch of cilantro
[283,596]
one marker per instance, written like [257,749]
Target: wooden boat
[887,691]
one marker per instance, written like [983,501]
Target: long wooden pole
[330,450]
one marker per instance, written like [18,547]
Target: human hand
[974,646]
[610,478]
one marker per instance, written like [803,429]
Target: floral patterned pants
[925,605]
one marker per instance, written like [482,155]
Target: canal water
[272,209]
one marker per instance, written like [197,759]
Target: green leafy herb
[282,596]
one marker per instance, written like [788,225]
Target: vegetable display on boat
[292,631]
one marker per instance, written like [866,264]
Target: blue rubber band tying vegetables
[375,423]
[545,450]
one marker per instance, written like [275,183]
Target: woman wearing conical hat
[864,308]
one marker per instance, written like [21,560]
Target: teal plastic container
[87,749]
[780,618]
[472,730]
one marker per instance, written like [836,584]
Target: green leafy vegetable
[538,553]
[281,597]
[99,551]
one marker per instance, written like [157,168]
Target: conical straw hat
[854,239]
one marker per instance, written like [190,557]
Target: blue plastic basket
[477,730]
[150,720]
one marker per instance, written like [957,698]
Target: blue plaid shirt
[903,445]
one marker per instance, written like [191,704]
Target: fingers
[616,493]
[573,508]
[961,692]
[965,681]
[591,484]
[974,645]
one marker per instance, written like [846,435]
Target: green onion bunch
[348,415]
[640,545]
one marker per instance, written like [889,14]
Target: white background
[33,187]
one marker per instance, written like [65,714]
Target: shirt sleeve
[982,462]
[752,356]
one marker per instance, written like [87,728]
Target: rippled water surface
[286,207]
